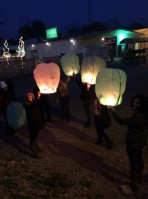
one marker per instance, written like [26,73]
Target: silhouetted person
[102,121]
[136,138]
[86,96]
[63,99]
[35,122]
[44,106]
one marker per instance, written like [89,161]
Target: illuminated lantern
[47,77]
[90,68]
[70,64]
[110,86]
[16,115]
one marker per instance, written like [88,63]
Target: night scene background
[72,165]
[67,15]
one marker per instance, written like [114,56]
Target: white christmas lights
[6,53]
[21,49]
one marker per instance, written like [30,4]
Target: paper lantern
[16,115]
[110,86]
[70,64]
[47,77]
[90,68]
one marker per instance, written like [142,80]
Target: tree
[12,41]
[113,24]
[38,28]
[96,26]
[26,31]
[2,23]
[135,26]
[1,41]
[73,31]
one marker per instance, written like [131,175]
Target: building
[105,44]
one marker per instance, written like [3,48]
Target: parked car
[133,55]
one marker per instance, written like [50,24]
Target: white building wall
[54,48]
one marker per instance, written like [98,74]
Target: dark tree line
[37,29]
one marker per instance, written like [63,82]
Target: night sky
[65,14]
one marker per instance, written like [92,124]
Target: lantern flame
[89,78]
[109,101]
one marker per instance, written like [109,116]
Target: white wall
[55,48]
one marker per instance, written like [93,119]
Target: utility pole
[89,4]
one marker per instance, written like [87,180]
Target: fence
[15,68]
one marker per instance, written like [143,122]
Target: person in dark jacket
[6,98]
[136,137]
[86,96]
[44,105]
[35,122]
[102,121]
[63,99]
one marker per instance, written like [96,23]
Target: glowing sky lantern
[47,77]
[16,115]
[6,53]
[90,68]
[110,86]
[70,64]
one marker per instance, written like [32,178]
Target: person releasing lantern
[63,99]
[86,96]
[35,122]
[90,68]
[110,86]
[47,77]
[136,137]
[70,64]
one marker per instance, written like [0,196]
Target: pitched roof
[134,40]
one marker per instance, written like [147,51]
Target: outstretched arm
[117,117]
[67,80]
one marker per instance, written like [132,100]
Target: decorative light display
[6,53]
[47,77]
[21,49]
[70,64]
[110,86]
[90,68]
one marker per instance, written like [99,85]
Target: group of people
[36,103]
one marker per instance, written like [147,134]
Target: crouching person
[35,122]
